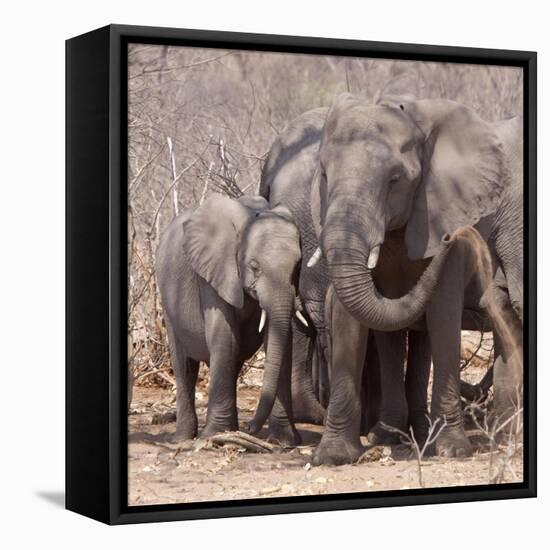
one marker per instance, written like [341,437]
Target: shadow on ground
[57,498]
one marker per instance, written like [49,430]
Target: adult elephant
[222,269]
[393,180]
[287,180]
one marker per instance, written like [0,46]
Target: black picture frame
[96,273]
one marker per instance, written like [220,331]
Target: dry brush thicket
[201,121]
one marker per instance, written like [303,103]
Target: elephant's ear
[212,235]
[462,173]
[318,200]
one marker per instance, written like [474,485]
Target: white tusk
[301,317]
[262,321]
[373,257]
[316,257]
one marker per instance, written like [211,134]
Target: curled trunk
[354,286]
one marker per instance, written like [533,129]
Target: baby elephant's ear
[212,234]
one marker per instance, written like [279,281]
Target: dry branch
[197,96]
[167,192]
[149,72]
[148,373]
[434,432]
[249,442]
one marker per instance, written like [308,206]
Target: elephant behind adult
[393,180]
[505,299]
[506,243]
[217,268]
[286,180]
[507,232]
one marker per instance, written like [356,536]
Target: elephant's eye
[254,266]
[394,179]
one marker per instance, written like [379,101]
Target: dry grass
[202,121]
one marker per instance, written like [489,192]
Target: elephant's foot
[379,435]
[453,443]
[505,421]
[285,435]
[214,427]
[420,427]
[185,431]
[308,411]
[335,449]
[472,392]
[506,416]
[164,418]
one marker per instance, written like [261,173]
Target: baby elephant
[223,270]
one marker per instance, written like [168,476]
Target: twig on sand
[249,442]
[435,429]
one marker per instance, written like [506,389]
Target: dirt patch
[164,472]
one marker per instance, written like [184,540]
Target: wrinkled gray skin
[507,232]
[287,180]
[508,286]
[399,175]
[216,268]
[506,244]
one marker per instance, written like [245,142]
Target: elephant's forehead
[274,250]
[270,226]
[365,121]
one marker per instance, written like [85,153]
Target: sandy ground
[164,472]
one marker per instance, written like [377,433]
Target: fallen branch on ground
[249,442]
[150,373]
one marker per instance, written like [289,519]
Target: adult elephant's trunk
[354,285]
[279,319]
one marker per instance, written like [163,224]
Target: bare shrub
[202,121]
[503,436]
[434,430]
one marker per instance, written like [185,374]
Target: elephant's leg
[321,376]
[280,423]
[222,338]
[479,391]
[444,322]
[320,371]
[305,406]
[393,403]
[371,388]
[186,371]
[340,443]
[315,371]
[508,366]
[506,391]
[320,355]
[186,416]
[419,357]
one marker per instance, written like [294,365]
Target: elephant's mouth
[251,290]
